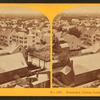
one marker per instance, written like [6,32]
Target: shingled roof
[12,62]
[87,63]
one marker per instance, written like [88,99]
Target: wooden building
[73,41]
[11,65]
[14,48]
[83,69]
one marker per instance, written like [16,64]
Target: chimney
[71,64]
[44,64]
[39,62]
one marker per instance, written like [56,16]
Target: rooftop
[87,63]
[64,45]
[12,62]
[66,70]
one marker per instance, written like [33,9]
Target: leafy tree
[56,46]
[74,31]
[63,57]
[31,50]
[59,28]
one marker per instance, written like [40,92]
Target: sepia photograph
[24,48]
[76,48]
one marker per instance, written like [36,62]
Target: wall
[8,76]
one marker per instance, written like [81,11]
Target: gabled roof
[90,31]
[80,28]
[69,38]
[66,70]
[12,48]
[83,30]
[97,31]
[2,32]
[17,86]
[92,49]
[87,63]
[30,34]
[64,45]
[3,52]
[95,48]
[47,34]
[86,51]
[21,34]
[12,62]
[41,78]
[8,32]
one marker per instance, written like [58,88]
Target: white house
[73,41]
[90,36]
[24,39]
[6,36]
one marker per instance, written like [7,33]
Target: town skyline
[89,11]
[19,11]
[24,38]
[76,48]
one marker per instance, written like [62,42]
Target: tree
[59,28]
[43,42]
[56,46]
[63,57]
[31,50]
[74,31]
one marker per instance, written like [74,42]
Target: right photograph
[76,48]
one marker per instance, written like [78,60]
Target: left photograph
[24,48]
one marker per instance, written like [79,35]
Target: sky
[94,10]
[17,10]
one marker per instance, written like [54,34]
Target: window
[25,38]
[25,41]
[21,37]
[21,41]
[97,39]
[25,46]
[19,49]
